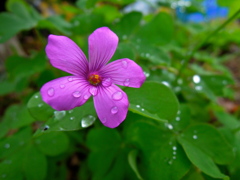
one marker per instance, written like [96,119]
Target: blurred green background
[182,124]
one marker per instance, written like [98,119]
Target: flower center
[94,79]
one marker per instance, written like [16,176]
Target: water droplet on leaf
[59,114]
[72,118]
[46,127]
[87,121]
[196,79]
[195,136]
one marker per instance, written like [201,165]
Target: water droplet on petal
[86,96]
[117,96]
[124,64]
[106,82]
[114,110]
[7,146]
[195,136]
[126,82]
[76,94]
[70,79]
[104,120]
[87,121]
[62,86]
[50,92]
[93,90]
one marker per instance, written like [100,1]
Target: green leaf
[124,50]
[227,120]
[16,116]
[201,160]
[75,119]
[52,144]
[132,160]
[56,22]
[161,155]
[22,17]
[12,144]
[34,164]
[104,144]
[158,31]
[153,100]
[127,25]
[39,109]
[208,139]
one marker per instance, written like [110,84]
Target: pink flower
[91,78]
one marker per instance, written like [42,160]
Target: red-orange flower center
[94,79]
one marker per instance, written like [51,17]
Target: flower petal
[65,54]
[66,93]
[124,72]
[102,45]
[111,104]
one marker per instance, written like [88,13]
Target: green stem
[202,43]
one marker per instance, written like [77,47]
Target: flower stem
[202,43]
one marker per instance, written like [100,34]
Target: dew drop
[61,129]
[106,82]
[70,111]
[166,83]
[196,79]
[70,79]
[46,128]
[114,110]
[170,162]
[36,96]
[62,86]
[146,74]
[147,55]
[59,114]
[177,118]
[174,157]
[126,82]
[86,96]
[174,148]
[117,96]
[124,37]
[138,106]
[7,146]
[50,92]
[87,121]
[124,64]
[93,90]
[104,120]
[174,152]
[72,118]
[76,94]
[142,109]
[195,136]
[198,88]
[40,105]
[170,126]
